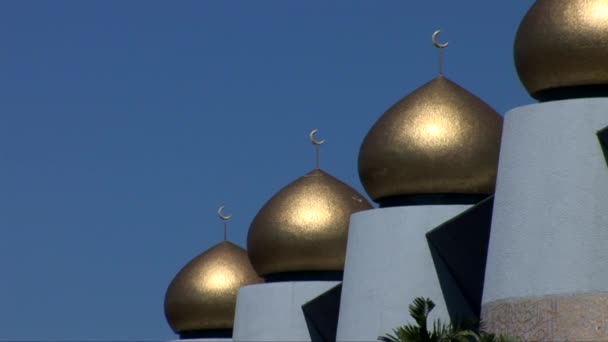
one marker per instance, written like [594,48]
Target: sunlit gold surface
[440,139]
[203,294]
[304,226]
[563,43]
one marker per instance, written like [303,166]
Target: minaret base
[547,269]
[273,311]
[388,264]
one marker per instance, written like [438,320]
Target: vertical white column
[547,269]
[388,264]
[273,311]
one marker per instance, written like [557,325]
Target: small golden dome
[304,226]
[563,43]
[202,295]
[440,139]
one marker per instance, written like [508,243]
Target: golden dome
[440,139]
[304,226]
[563,43]
[202,295]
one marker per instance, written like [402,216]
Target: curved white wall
[388,264]
[550,225]
[548,254]
[273,311]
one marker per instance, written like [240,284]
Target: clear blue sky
[124,124]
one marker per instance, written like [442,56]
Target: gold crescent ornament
[313,140]
[220,213]
[436,43]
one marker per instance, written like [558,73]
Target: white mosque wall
[388,264]
[548,251]
[273,311]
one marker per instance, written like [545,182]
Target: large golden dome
[202,296]
[440,139]
[304,226]
[562,44]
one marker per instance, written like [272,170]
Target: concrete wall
[550,226]
[273,311]
[388,264]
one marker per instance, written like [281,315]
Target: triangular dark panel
[460,248]
[321,315]
[603,137]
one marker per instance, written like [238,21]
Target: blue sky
[125,124]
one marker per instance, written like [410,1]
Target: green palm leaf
[440,332]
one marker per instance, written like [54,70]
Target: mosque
[501,221]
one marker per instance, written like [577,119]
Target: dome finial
[440,48]
[317,144]
[225,218]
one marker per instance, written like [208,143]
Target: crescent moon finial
[440,48]
[220,213]
[436,43]
[313,140]
[316,143]
[225,218]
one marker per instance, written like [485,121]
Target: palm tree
[441,332]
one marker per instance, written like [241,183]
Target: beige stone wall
[551,318]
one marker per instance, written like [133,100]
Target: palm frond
[487,337]
[447,333]
[411,333]
[420,310]
[388,338]
[405,333]
[440,330]
[466,331]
